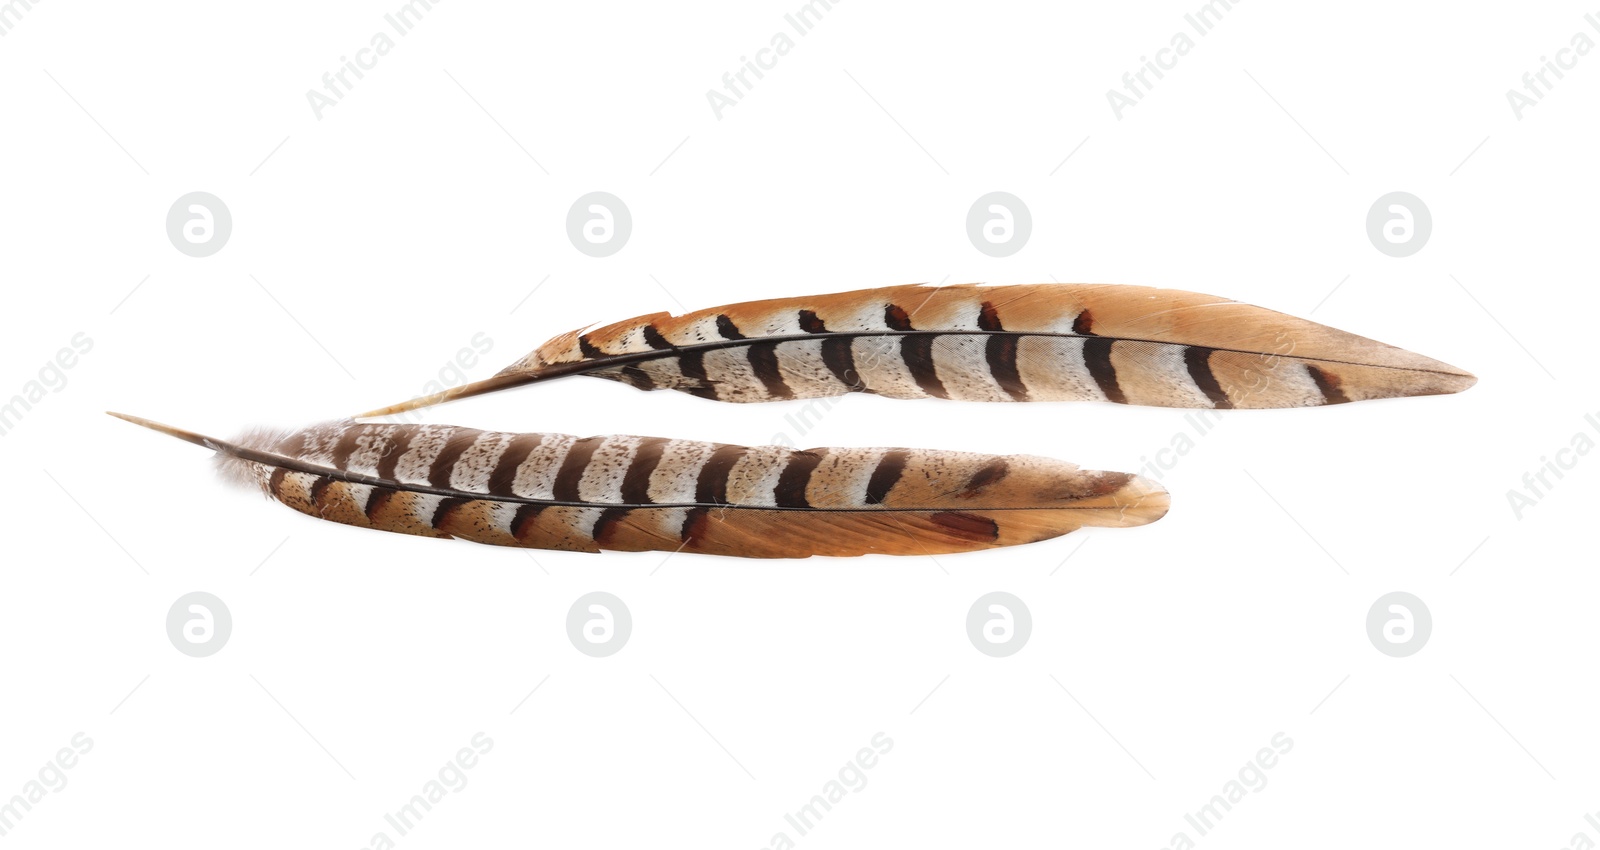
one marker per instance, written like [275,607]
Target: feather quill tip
[186,436]
[230,466]
[488,385]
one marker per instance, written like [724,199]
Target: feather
[553,491]
[1041,342]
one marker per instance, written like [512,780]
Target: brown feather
[1041,342]
[646,493]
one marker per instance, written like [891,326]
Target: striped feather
[552,491]
[1041,342]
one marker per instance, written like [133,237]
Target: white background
[374,242]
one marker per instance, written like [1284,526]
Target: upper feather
[1039,342]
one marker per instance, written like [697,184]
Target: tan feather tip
[186,436]
[1456,383]
[1463,380]
[1444,377]
[1139,501]
[1373,383]
[487,385]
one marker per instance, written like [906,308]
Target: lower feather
[553,491]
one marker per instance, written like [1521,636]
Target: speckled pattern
[555,491]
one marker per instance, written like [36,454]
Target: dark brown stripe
[1328,383]
[694,525]
[1001,352]
[654,339]
[375,503]
[841,361]
[1104,484]
[637,378]
[349,441]
[895,317]
[791,489]
[727,328]
[763,358]
[319,485]
[505,470]
[636,481]
[711,487]
[988,474]
[275,482]
[1097,356]
[917,352]
[399,444]
[292,446]
[811,324]
[970,526]
[572,469]
[523,520]
[605,523]
[693,366]
[885,475]
[1199,362]
[988,318]
[1084,324]
[588,348]
[446,507]
[444,465]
